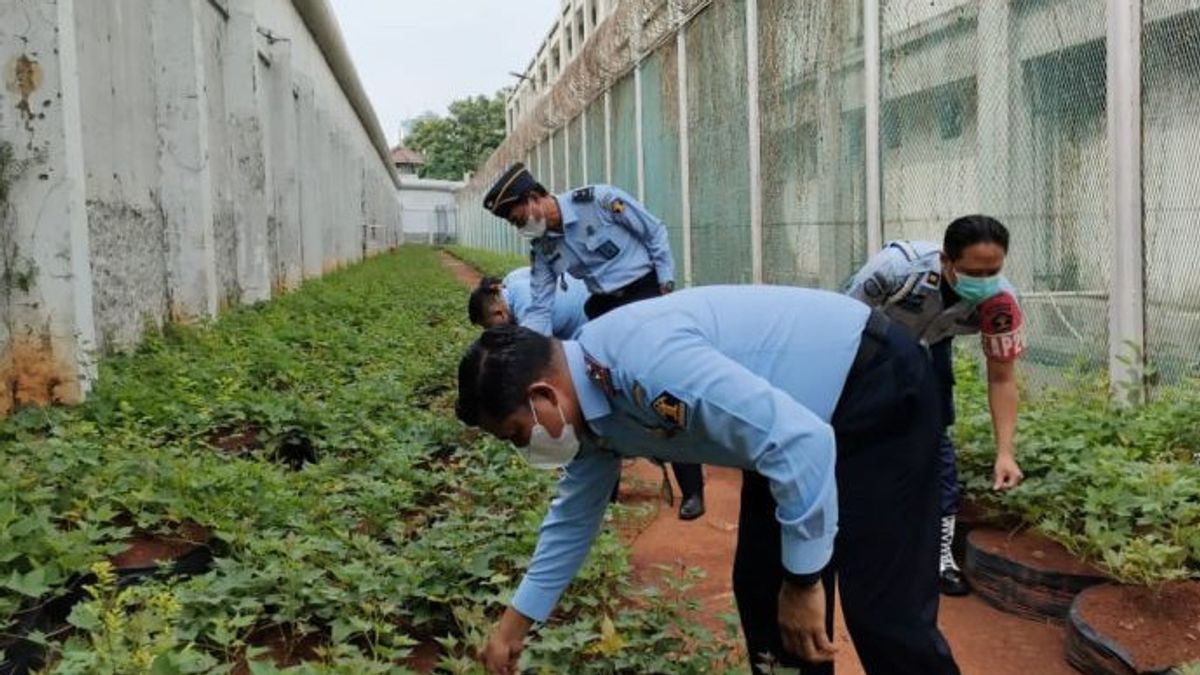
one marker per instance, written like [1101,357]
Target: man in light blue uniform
[601,235]
[775,381]
[496,302]
[956,288]
[598,234]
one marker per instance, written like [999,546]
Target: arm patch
[1002,328]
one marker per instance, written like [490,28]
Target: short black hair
[486,294]
[495,373]
[970,230]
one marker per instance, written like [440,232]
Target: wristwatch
[801,580]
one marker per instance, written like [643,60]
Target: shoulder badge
[617,206]
[583,194]
[600,375]
[671,409]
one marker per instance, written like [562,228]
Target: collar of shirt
[566,210]
[593,404]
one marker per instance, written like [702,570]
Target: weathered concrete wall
[161,159]
[120,152]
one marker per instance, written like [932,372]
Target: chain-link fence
[983,106]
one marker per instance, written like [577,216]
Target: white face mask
[547,452]
[533,228]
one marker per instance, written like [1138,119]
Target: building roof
[403,155]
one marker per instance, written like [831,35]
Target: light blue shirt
[738,376]
[609,240]
[568,315]
[905,281]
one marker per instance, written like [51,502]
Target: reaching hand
[802,622]
[1007,472]
[503,649]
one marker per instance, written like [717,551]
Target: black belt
[640,284]
[874,335]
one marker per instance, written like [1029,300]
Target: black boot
[692,507]
[951,580]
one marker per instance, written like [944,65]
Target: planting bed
[336,517]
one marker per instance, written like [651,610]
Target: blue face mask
[976,289]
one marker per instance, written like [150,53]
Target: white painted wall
[428,207]
[171,158]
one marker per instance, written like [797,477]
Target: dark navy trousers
[942,355]
[885,556]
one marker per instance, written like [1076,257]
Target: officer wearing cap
[829,411]
[936,292]
[496,302]
[601,235]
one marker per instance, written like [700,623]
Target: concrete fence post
[871,105]
[1127,291]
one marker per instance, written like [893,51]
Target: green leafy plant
[1114,483]
[402,529]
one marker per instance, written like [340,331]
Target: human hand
[504,645]
[1007,473]
[667,287]
[802,622]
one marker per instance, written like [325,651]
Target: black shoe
[692,507]
[952,582]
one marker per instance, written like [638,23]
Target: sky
[415,56]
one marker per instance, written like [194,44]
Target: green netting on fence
[575,153]
[1170,148]
[813,173]
[986,107]
[719,171]
[660,141]
[596,172]
[624,135]
[998,109]
[541,168]
[558,146]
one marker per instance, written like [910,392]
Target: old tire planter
[1096,647]
[1025,574]
[22,656]
[188,552]
[973,514]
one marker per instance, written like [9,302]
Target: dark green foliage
[407,528]
[1118,485]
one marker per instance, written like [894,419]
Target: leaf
[610,643]
[31,584]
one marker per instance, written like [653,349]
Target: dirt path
[985,641]
[464,272]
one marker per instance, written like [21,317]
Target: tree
[459,142]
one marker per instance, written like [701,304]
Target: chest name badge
[608,249]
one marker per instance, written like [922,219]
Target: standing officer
[496,302]
[601,235]
[777,382]
[937,293]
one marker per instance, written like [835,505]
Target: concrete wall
[428,209]
[160,160]
[984,106]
